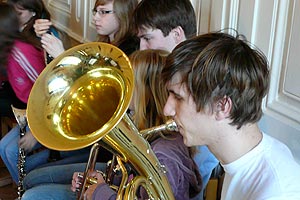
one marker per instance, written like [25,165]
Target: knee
[28,181]
[28,195]
[36,193]
[9,142]
[11,151]
[1,149]
[3,144]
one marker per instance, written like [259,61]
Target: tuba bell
[80,99]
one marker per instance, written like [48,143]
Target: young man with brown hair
[216,85]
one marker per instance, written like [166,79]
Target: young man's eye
[177,97]
[146,38]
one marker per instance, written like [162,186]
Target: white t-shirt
[268,171]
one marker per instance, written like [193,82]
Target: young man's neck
[233,144]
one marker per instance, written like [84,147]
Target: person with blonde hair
[146,111]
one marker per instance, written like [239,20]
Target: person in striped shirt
[22,62]
[22,59]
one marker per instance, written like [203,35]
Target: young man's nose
[169,108]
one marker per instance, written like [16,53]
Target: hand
[28,141]
[76,180]
[89,192]
[41,26]
[76,183]
[52,45]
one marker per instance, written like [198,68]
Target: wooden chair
[214,186]
[20,116]
[7,123]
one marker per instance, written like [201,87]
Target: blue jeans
[206,162]
[53,182]
[9,151]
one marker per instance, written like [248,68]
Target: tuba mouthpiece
[170,125]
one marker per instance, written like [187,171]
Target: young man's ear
[222,108]
[178,34]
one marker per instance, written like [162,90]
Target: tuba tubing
[170,125]
[133,148]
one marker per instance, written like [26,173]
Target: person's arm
[24,66]
[52,45]
[103,192]
[28,141]
[100,190]
[182,173]
[174,174]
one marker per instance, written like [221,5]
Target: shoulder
[174,143]
[172,151]
[275,149]
[28,53]
[182,172]
[277,153]
[103,191]
[280,171]
[26,47]
[21,44]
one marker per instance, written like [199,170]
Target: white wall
[74,17]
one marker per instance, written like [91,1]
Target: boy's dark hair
[166,15]
[217,65]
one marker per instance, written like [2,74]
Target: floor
[7,191]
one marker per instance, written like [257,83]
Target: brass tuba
[81,98]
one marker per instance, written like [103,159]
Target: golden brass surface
[80,96]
